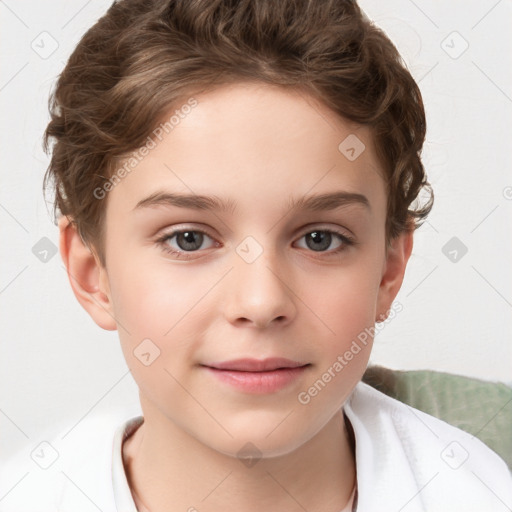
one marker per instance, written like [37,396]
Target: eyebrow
[321,202]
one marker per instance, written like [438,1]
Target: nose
[259,293]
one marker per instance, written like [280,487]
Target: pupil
[187,240]
[319,237]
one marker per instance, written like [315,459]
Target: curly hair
[144,56]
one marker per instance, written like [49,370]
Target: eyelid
[167,232]
[171,233]
[323,226]
[346,240]
[304,230]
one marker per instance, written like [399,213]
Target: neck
[170,466]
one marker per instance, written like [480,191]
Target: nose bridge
[259,289]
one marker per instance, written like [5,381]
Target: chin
[260,440]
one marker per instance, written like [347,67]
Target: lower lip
[259,382]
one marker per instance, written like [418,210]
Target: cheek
[168,306]
[151,299]
[152,309]
[347,307]
[347,301]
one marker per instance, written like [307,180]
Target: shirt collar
[122,494]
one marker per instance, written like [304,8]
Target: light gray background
[57,366]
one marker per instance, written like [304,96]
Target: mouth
[257,365]
[258,376]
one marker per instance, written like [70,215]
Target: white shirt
[406,461]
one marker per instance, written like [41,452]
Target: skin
[258,146]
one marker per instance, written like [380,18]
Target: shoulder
[410,455]
[70,467]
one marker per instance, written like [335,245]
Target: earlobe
[86,275]
[398,255]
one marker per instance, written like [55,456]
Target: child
[255,129]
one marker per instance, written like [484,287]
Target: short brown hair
[144,56]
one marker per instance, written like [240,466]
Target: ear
[398,254]
[88,279]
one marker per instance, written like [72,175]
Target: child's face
[255,286]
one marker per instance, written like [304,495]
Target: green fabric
[484,409]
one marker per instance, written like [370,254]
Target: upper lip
[256,365]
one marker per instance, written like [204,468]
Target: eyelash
[347,241]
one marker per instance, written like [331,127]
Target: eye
[185,241]
[321,239]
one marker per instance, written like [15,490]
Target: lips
[256,376]
[256,365]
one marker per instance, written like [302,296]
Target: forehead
[253,144]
